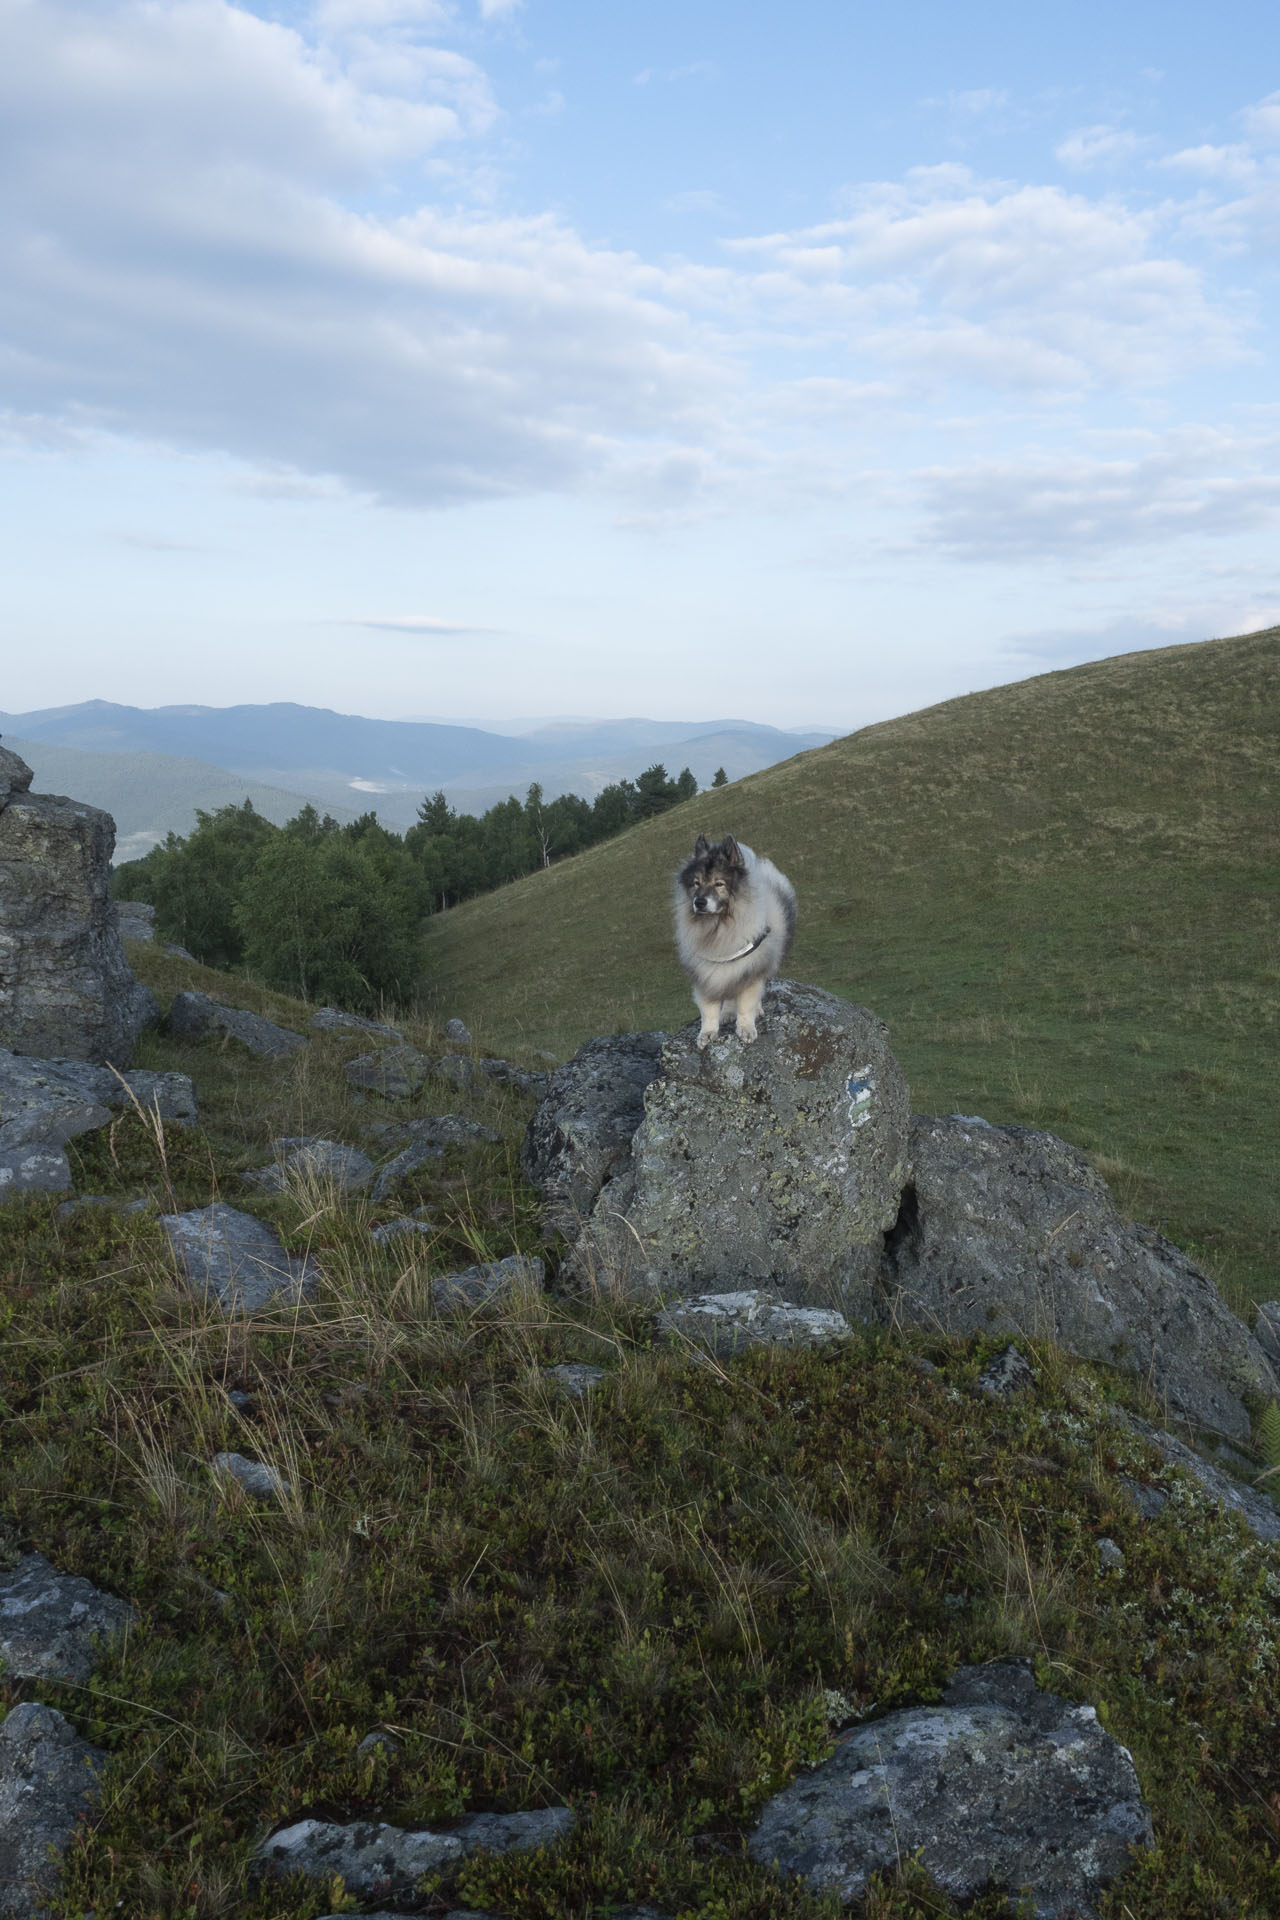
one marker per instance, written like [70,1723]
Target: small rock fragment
[482,1285]
[410,1161]
[332,1019]
[1110,1558]
[255,1476]
[304,1156]
[1006,1375]
[457,1033]
[730,1322]
[575,1377]
[395,1073]
[376,1860]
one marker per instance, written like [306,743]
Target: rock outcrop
[66,989]
[1005,1228]
[999,1786]
[48,1781]
[778,1164]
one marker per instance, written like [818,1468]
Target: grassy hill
[1062,895]
[656,1605]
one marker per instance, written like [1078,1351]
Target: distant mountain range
[152,767]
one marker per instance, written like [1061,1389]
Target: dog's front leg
[710,1011]
[748,1007]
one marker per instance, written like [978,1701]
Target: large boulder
[581,1134]
[48,1781]
[779,1164]
[1005,1228]
[998,1786]
[66,989]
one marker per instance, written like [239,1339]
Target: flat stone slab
[394,1073]
[40,1105]
[334,1020]
[232,1256]
[171,1094]
[1000,1785]
[305,1156]
[25,1170]
[194,1016]
[482,1285]
[48,1781]
[380,1862]
[730,1322]
[410,1161]
[52,1624]
[255,1476]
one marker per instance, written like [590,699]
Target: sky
[474,358]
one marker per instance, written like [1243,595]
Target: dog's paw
[705,1038]
[747,1032]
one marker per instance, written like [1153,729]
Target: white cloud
[1233,163]
[499,9]
[1100,146]
[426,624]
[1199,481]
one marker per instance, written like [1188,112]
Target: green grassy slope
[1062,895]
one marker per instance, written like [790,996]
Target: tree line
[331,911]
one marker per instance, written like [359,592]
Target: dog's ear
[732,852]
[701,845]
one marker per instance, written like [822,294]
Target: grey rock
[299,1156]
[457,1033]
[395,1073]
[779,1164]
[380,1741]
[521,1078]
[1006,1228]
[136,920]
[1007,1374]
[1110,1558]
[1266,1330]
[575,1377]
[170,1094]
[25,1170]
[235,1258]
[52,1624]
[180,953]
[1254,1508]
[333,1020]
[405,1163]
[255,1476]
[581,1135]
[730,1322]
[460,1070]
[1000,1785]
[450,1130]
[66,988]
[42,1105]
[483,1285]
[48,1782]
[401,1228]
[377,1861]
[1150,1501]
[194,1016]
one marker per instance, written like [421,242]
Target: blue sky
[517,357]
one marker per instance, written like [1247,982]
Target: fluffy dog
[735,918]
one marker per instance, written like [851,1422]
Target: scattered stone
[399,1228]
[255,1476]
[779,1164]
[410,1161]
[575,1377]
[332,1019]
[242,1402]
[999,1786]
[1254,1508]
[1007,1374]
[48,1781]
[136,920]
[236,1258]
[181,953]
[66,988]
[42,1106]
[1150,1501]
[26,1170]
[194,1016]
[383,1862]
[379,1741]
[306,1157]
[581,1135]
[1110,1558]
[460,1070]
[51,1623]
[170,1094]
[521,1078]
[450,1130]
[457,1033]
[396,1073]
[1266,1330]
[482,1285]
[1004,1227]
[731,1322]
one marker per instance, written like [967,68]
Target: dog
[735,920]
